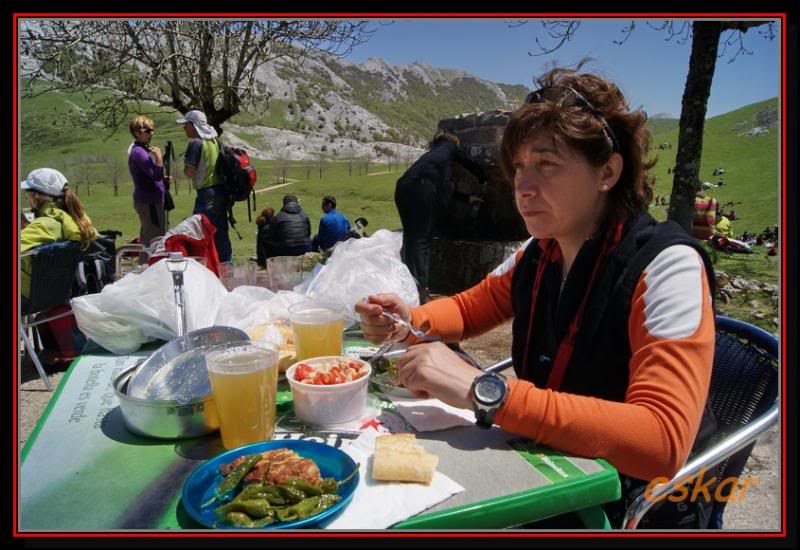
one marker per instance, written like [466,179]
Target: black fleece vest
[599,363]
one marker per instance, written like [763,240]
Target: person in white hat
[200,162]
[59,215]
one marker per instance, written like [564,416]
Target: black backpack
[239,178]
[96,267]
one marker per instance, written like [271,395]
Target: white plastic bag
[140,307]
[256,310]
[243,307]
[361,267]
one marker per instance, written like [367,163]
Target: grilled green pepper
[309,489]
[240,519]
[308,507]
[232,480]
[291,494]
[255,508]
[260,490]
[330,485]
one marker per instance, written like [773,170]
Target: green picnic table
[83,470]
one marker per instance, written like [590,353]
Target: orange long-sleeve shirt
[671,334]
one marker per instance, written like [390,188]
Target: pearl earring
[604,188]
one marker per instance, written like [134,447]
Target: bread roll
[396,440]
[399,458]
[394,465]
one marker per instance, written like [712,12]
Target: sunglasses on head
[568,97]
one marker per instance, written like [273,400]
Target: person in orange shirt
[613,326]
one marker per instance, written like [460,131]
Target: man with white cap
[200,163]
[59,215]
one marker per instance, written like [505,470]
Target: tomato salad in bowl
[334,370]
[329,390]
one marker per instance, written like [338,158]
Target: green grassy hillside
[89,157]
[751,167]
[751,183]
[661,125]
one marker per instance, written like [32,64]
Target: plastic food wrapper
[359,268]
[140,307]
[253,310]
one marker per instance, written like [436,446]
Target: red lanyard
[567,345]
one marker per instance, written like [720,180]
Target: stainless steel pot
[177,370]
[164,419]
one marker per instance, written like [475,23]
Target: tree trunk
[686,180]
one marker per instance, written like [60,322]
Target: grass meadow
[95,162]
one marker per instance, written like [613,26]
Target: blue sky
[650,70]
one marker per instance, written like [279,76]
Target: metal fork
[418,334]
[380,353]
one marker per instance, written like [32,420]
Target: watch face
[489,390]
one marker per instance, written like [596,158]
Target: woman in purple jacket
[147,170]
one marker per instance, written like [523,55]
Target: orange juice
[317,329]
[317,340]
[244,379]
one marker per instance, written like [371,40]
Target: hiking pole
[169,154]
[232,221]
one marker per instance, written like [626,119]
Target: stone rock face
[470,242]
[497,218]
[457,265]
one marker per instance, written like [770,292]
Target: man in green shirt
[200,161]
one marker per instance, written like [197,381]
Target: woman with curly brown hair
[613,326]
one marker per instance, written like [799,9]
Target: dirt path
[291,181]
[386,172]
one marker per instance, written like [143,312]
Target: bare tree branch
[627,30]
[181,64]
[735,37]
[563,31]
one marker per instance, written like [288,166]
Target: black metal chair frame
[53,270]
[744,398]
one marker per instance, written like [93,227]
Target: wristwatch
[489,391]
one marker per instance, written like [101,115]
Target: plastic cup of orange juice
[244,382]
[317,329]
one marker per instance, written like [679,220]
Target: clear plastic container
[285,272]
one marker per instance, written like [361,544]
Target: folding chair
[743,397]
[123,251]
[53,268]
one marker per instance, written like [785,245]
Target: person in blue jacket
[333,225]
